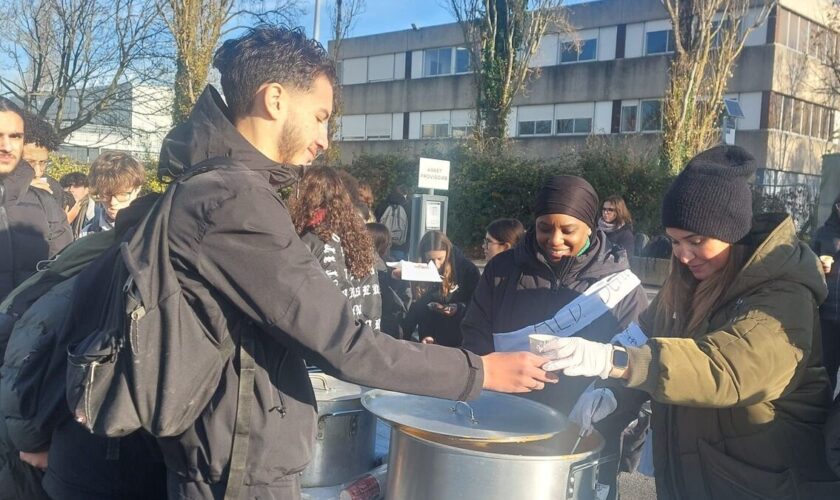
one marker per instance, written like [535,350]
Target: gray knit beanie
[711,196]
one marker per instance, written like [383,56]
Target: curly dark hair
[321,188]
[39,132]
[269,54]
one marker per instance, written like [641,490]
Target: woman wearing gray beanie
[733,364]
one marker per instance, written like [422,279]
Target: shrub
[501,182]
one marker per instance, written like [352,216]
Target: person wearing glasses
[617,223]
[501,235]
[115,180]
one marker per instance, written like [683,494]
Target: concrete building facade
[136,123]
[406,91]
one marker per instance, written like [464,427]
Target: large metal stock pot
[481,453]
[346,434]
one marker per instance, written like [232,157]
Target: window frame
[669,42]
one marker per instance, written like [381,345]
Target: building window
[462,60]
[570,126]
[585,51]
[535,127]
[435,131]
[659,42]
[628,118]
[651,119]
[437,62]
[378,127]
[462,132]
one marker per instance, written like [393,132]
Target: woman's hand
[447,310]
[515,372]
[37,460]
[396,273]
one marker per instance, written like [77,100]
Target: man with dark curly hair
[41,140]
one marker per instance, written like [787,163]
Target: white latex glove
[579,357]
[592,407]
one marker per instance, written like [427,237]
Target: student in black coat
[556,261]
[617,223]
[826,243]
[396,294]
[439,308]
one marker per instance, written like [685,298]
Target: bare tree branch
[502,37]
[709,35]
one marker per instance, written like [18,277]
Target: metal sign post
[429,211]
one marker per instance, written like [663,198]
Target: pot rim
[591,454]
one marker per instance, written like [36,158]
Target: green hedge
[502,183]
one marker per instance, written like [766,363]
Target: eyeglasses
[608,210]
[488,242]
[120,197]
[44,164]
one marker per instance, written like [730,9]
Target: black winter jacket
[519,288]
[362,293]
[236,253]
[827,242]
[446,330]
[33,227]
[396,296]
[624,238]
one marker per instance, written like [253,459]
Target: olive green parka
[739,404]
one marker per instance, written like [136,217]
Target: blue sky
[389,15]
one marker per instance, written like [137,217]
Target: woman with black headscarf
[557,260]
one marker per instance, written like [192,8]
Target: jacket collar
[777,254]
[601,260]
[209,133]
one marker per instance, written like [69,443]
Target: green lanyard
[585,248]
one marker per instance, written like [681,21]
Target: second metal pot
[346,434]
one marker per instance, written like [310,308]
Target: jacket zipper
[281,408]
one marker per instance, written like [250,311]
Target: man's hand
[515,372]
[37,460]
[579,357]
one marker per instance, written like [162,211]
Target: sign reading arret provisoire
[434,174]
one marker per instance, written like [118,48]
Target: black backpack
[146,360]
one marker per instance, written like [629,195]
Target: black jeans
[831,348]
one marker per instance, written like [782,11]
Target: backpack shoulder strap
[242,426]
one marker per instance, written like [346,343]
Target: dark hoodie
[237,256]
[519,288]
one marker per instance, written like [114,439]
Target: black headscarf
[568,195]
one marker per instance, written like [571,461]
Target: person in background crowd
[501,235]
[395,295]
[115,181]
[617,223]
[366,199]
[560,258]
[324,218]
[395,213]
[733,365]
[826,245]
[33,227]
[438,308]
[237,255]
[83,210]
[41,140]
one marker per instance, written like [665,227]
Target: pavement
[636,486]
